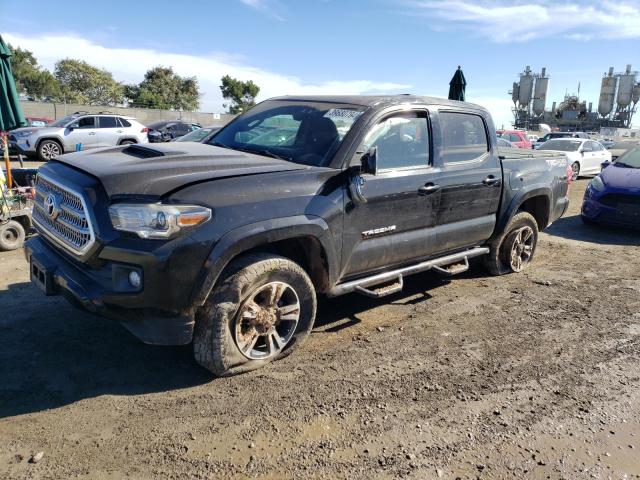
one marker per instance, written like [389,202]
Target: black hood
[162,168]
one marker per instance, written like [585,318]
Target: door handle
[92,133]
[491,181]
[118,131]
[428,189]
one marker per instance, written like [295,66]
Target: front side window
[108,122]
[87,122]
[464,137]
[402,141]
[302,132]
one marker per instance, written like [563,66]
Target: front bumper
[21,146]
[597,212]
[103,291]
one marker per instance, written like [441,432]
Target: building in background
[619,96]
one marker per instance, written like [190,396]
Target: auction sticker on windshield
[336,113]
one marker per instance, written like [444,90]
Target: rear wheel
[11,235]
[513,250]
[49,149]
[263,308]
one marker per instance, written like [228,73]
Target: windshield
[561,145]
[301,132]
[195,136]
[63,121]
[631,159]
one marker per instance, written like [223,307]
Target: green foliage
[84,83]
[162,88]
[30,78]
[242,95]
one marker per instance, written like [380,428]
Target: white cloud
[521,21]
[129,65]
[271,8]
[500,109]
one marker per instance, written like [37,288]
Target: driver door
[84,131]
[395,224]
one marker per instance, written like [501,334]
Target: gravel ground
[534,375]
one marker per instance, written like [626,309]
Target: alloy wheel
[267,320]
[521,249]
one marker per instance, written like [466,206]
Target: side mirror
[605,164]
[73,126]
[369,161]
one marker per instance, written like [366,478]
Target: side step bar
[395,276]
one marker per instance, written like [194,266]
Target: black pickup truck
[228,244]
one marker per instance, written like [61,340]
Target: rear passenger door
[469,177]
[109,131]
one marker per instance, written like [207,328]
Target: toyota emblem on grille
[52,206]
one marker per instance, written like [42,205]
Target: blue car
[613,197]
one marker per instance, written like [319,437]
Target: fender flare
[50,137]
[244,238]
[518,200]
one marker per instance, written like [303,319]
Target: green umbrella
[11,115]
[457,86]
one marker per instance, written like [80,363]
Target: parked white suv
[82,130]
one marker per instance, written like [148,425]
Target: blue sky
[340,46]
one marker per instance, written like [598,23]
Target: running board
[395,276]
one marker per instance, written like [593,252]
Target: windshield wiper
[266,153]
[221,145]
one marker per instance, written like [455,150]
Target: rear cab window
[464,137]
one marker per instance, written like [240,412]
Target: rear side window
[123,122]
[108,122]
[464,137]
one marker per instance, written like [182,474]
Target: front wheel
[575,170]
[513,250]
[48,150]
[263,308]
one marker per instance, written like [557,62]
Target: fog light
[134,279]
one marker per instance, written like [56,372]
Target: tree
[242,95]
[31,79]
[84,83]
[162,88]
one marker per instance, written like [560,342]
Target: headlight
[156,220]
[597,184]
[22,134]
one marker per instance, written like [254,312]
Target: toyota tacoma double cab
[228,244]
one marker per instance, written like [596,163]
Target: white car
[585,156]
[81,131]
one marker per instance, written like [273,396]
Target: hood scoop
[140,151]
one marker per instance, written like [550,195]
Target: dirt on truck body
[532,375]
[228,245]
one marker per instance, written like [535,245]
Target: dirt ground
[534,375]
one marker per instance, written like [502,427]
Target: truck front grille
[60,214]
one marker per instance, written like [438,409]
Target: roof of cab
[377,100]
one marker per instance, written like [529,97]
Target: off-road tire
[496,261]
[48,144]
[214,346]
[11,235]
